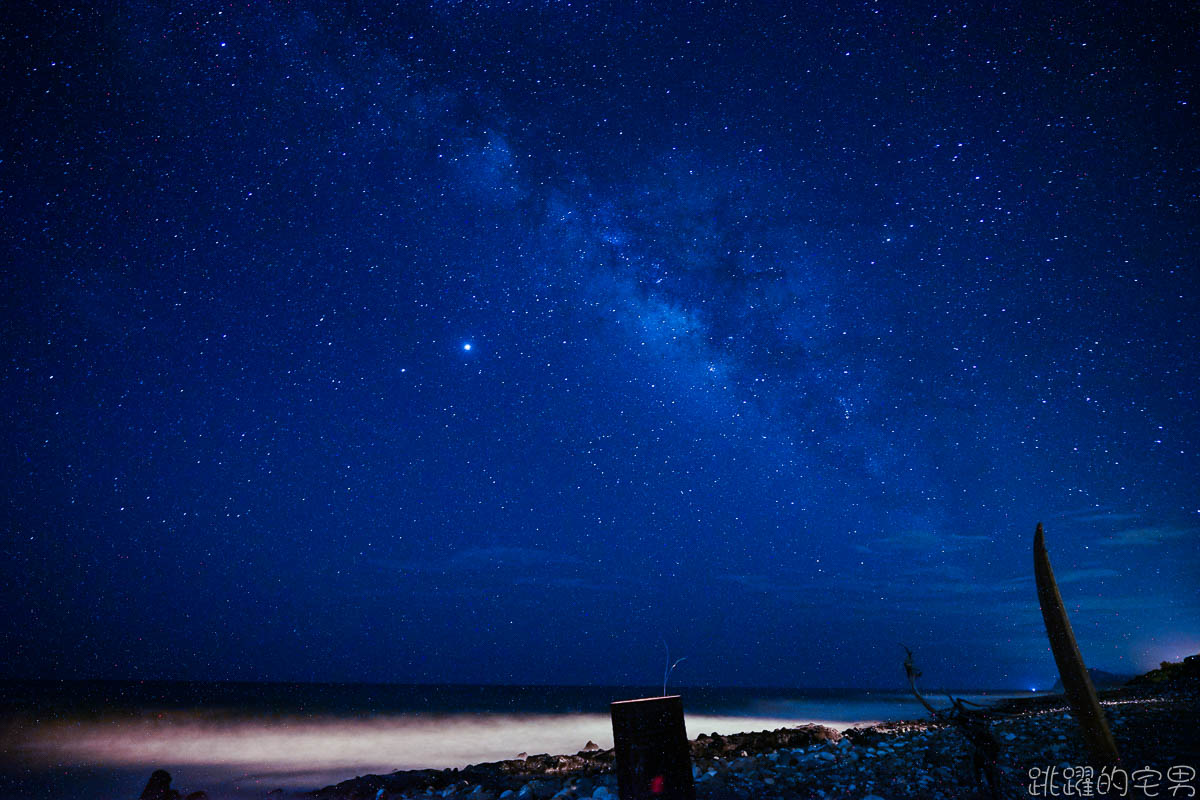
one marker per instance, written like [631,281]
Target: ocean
[101,740]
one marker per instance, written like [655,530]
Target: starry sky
[503,342]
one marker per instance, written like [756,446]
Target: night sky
[501,343]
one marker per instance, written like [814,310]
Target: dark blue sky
[499,343]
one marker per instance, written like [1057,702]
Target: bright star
[466,345]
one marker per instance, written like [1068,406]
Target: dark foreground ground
[1157,729]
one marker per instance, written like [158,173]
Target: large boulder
[761,741]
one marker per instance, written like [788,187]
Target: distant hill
[1101,680]
[1175,673]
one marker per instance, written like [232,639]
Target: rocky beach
[1156,725]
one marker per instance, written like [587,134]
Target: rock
[543,790]
[590,747]
[872,797]
[159,787]
[507,793]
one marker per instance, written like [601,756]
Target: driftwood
[1077,684]
[973,723]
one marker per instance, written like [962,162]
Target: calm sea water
[101,740]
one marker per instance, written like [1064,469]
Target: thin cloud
[1088,515]
[1127,605]
[1152,535]
[1103,516]
[474,560]
[1076,575]
[924,541]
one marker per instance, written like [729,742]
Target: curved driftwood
[1075,680]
